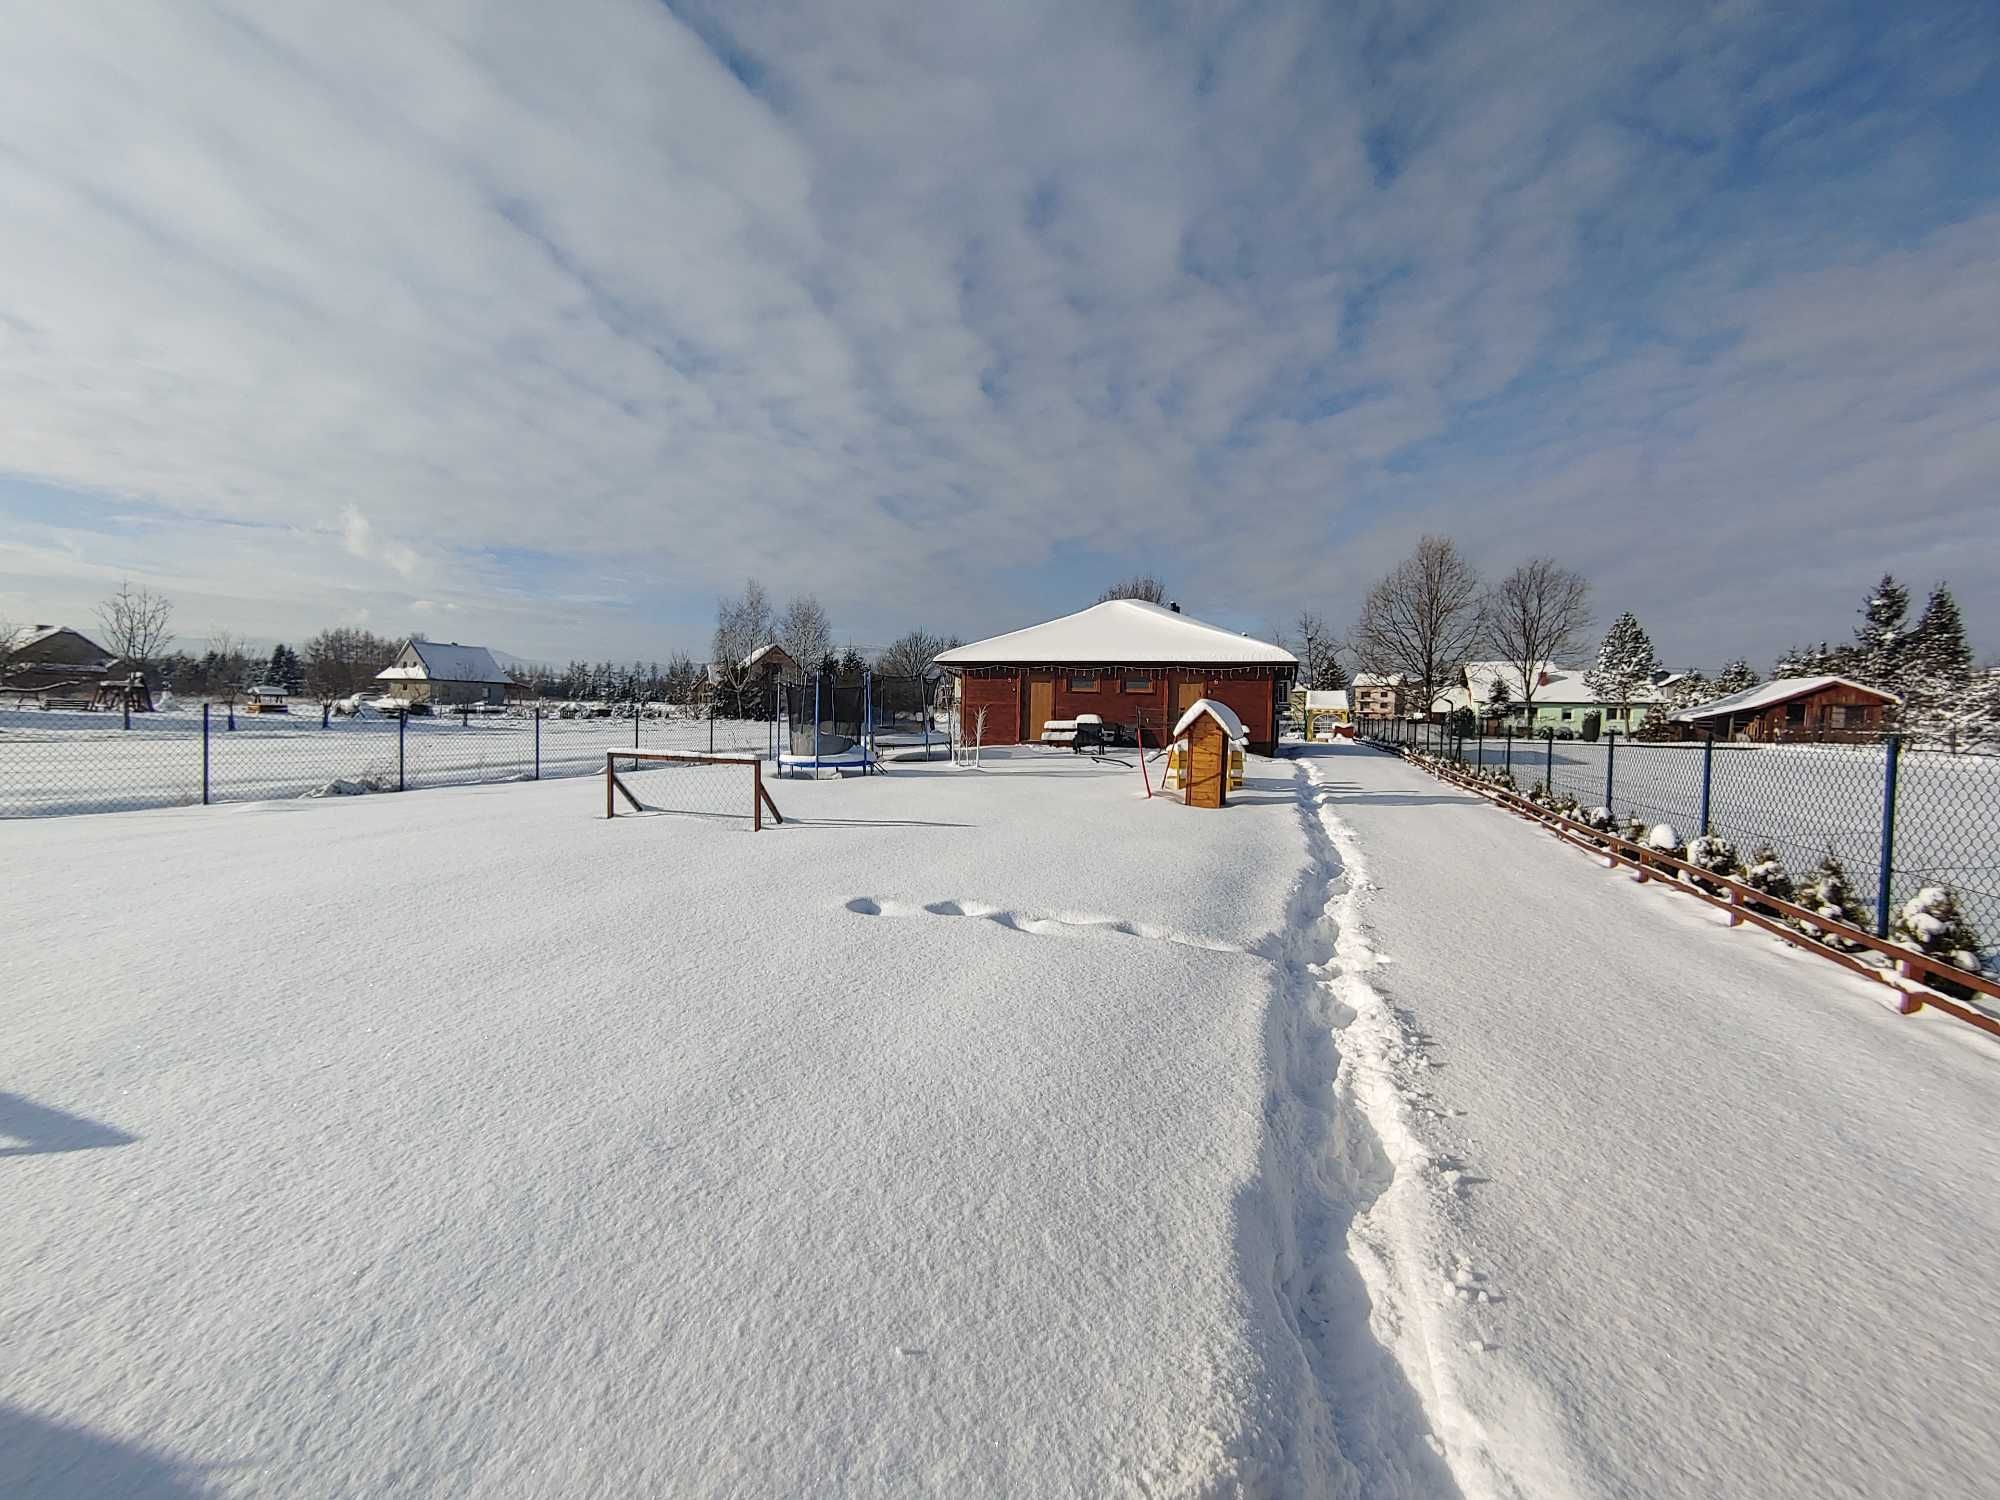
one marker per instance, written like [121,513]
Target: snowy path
[1699,1216]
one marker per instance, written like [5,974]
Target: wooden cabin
[1137,666]
[1797,708]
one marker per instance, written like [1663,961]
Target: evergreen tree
[284,669]
[1936,676]
[1499,698]
[1881,637]
[1738,676]
[1626,663]
[851,664]
[1806,661]
[1829,892]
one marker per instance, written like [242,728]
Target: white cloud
[947,292]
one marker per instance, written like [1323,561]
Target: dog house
[1205,737]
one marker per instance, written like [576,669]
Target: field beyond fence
[55,762]
[1898,818]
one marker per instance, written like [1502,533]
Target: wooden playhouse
[1205,760]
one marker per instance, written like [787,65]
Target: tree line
[1433,613]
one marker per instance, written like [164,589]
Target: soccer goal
[688,781]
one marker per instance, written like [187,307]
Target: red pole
[1145,776]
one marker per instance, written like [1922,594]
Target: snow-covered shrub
[1662,839]
[1635,830]
[1931,922]
[1714,854]
[1766,873]
[1564,803]
[1829,892]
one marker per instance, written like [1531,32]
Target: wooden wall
[1005,695]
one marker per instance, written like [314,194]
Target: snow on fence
[54,762]
[1899,820]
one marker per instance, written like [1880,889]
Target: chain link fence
[1897,818]
[55,761]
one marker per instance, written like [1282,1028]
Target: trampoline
[830,722]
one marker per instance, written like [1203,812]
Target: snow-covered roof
[1553,684]
[1335,698]
[1127,632]
[1768,694]
[48,632]
[446,661]
[1378,679]
[1222,713]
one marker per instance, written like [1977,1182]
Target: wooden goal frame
[614,788]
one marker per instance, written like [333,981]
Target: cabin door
[1186,696]
[1041,705]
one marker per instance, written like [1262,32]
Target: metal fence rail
[55,762]
[1898,819]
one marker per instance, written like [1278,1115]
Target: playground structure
[834,722]
[265,699]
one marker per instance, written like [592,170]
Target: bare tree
[1139,586]
[224,665]
[135,624]
[742,625]
[911,655]
[805,632]
[344,660]
[1422,619]
[1535,616]
[1319,655]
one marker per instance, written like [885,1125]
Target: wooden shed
[1204,737]
[1797,708]
[1137,666]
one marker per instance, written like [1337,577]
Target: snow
[1124,632]
[994,1131]
[1733,1217]
[1222,713]
[1326,698]
[1783,690]
[917,1146]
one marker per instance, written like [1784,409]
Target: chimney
[1174,605]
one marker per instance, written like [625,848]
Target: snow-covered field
[987,1132]
[59,761]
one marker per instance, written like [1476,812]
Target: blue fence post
[1549,776]
[402,730]
[1707,780]
[204,755]
[127,701]
[1510,752]
[538,742]
[1890,762]
[1610,756]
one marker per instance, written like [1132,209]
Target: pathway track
[1720,1224]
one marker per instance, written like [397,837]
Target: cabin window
[1836,716]
[1795,712]
[1138,684]
[1566,715]
[1083,682]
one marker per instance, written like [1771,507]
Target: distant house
[55,656]
[1131,663]
[752,681]
[1797,708]
[1563,699]
[444,673]
[1378,695]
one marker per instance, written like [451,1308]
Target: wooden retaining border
[1904,977]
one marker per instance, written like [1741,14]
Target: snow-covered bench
[1085,731]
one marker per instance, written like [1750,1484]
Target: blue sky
[542,326]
